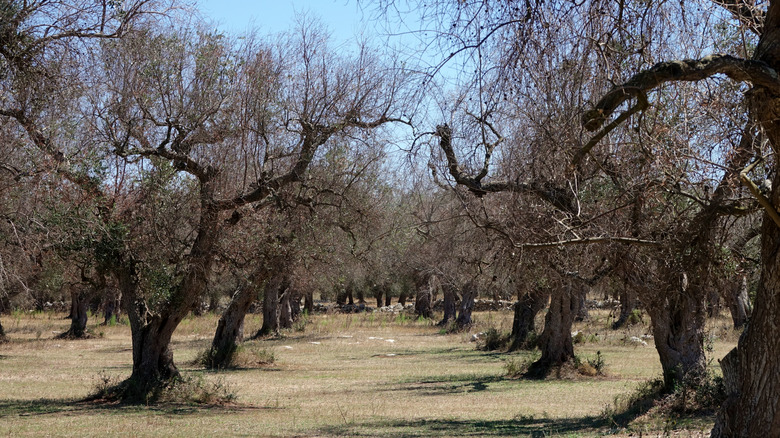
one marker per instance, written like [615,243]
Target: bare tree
[177,104]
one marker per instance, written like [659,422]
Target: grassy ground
[347,375]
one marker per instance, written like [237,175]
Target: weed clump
[493,339]
[241,356]
[190,390]
[590,367]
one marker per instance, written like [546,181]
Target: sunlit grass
[359,374]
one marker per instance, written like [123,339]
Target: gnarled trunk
[78,315]
[678,330]
[450,296]
[627,305]
[230,329]
[752,408]
[466,305]
[270,309]
[555,341]
[285,309]
[153,366]
[526,309]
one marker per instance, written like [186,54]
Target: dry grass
[356,375]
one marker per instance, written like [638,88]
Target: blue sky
[343,18]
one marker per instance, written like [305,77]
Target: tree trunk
[713,304]
[285,311]
[739,302]
[555,341]
[111,305]
[388,295]
[350,293]
[270,309]
[378,295]
[627,306]
[230,329]
[582,307]
[450,296]
[308,302]
[678,319]
[466,305]
[295,304]
[341,296]
[78,317]
[422,303]
[526,309]
[753,409]
[3,337]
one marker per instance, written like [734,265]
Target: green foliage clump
[635,317]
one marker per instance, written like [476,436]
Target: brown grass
[369,375]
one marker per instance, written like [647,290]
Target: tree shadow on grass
[72,407]
[447,427]
[449,384]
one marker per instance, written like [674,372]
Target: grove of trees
[538,152]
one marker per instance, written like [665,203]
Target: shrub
[635,317]
[590,367]
[494,339]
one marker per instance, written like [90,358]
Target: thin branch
[558,197]
[589,241]
[641,105]
[766,203]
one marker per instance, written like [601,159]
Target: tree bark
[470,292]
[582,307]
[627,305]
[308,302]
[423,304]
[111,305]
[752,409]
[78,316]
[285,308]
[388,294]
[739,302]
[450,297]
[271,308]
[378,295]
[678,330]
[526,309]
[230,329]
[555,341]
[3,337]
[350,293]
